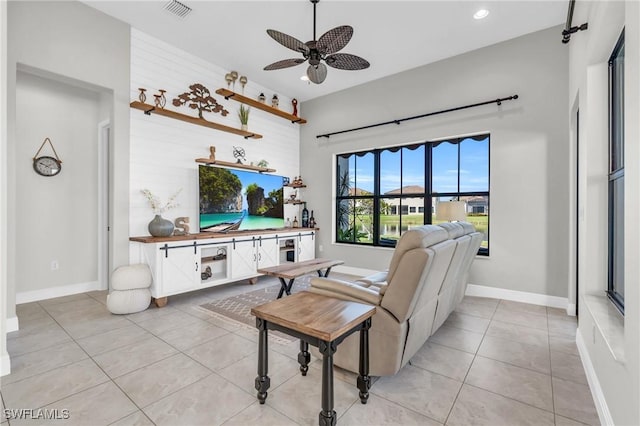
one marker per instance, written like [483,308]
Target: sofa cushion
[423,236]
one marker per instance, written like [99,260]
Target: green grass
[480,222]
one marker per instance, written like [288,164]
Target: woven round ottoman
[130,289]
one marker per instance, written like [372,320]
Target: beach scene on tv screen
[238,200]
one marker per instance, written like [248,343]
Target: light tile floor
[494,362]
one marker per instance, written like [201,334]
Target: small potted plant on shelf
[243,115]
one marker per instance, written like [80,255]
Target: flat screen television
[239,199]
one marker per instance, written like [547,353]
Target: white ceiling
[392,35]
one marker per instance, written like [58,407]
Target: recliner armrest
[379,278]
[340,287]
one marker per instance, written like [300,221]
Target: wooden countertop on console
[207,235]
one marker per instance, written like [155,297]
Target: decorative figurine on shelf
[229,79]
[295,222]
[294,102]
[181,226]
[238,154]
[312,221]
[243,82]
[234,76]
[212,153]
[160,100]
[287,223]
[293,195]
[262,98]
[142,96]
[200,98]
[275,101]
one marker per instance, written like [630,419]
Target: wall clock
[46,165]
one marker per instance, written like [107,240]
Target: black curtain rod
[568,29]
[400,120]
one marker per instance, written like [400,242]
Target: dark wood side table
[320,321]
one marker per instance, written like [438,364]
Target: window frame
[428,195]
[615,176]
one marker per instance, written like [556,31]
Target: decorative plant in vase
[243,115]
[160,227]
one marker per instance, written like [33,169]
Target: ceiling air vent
[177,8]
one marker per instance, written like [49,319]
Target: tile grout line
[475,355]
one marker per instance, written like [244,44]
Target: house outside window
[384,192]
[615,289]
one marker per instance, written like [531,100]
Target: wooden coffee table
[291,271]
[320,321]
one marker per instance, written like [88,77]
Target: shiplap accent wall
[163,150]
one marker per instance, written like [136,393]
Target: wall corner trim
[12,324]
[5,364]
[518,296]
[51,292]
[594,384]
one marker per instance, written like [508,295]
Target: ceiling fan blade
[285,63]
[345,61]
[335,39]
[288,41]
[317,73]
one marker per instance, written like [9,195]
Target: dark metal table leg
[304,357]
[326,273]
[364,381]
[283,287]
[262,380]
[328,415]
[288,290]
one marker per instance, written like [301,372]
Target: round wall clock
[47,166]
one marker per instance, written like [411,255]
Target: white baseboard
[12,324]
[594,384]
[350,270]
[51,292]
[5,364]
[518,296]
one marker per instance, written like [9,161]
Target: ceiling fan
[317,51]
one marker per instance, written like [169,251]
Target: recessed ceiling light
[481,14]
[304,78]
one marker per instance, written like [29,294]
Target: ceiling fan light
[481,14]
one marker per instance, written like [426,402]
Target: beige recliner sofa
[425,281]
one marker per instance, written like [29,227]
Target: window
[616,175]
[384,192]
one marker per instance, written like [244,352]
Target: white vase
[244,127]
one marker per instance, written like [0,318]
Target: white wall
[614,382]
[73,42]
[529,151]
[163,150]
[58,213]
[5,362]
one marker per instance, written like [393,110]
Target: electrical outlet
[321,248]
[54,265]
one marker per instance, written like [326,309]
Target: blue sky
[474,164]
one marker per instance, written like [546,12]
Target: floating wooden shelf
[291,185]
[235,165]
[228,94]
[294,202]
[148,109]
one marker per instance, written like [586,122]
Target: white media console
[192,262]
